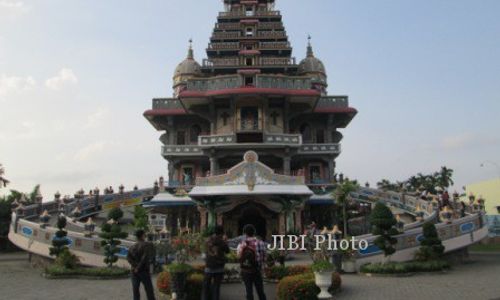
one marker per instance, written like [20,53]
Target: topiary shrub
[60,242]
[111,233]
[303,287]
[431,247]
[383,223]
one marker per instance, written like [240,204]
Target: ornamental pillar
[298,221]
[220,219]
[286,165]
[213,165]
[281,223]
[203,218]
[331,168]
[171,171]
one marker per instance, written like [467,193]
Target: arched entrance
[252,215]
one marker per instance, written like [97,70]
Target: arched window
[305,130]
[194,133]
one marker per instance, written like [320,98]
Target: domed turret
[313,67]
[187,69]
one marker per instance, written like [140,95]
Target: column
[203,218]
[331,168]
[171,171]
[298,220]
[286,165]
[281,224]
[220,219]
[213,165]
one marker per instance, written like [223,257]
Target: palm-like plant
[445,177]
[342,195]
[3,180]
[288,204]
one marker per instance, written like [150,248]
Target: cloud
[94,119]
[12,8]
[65,77]
[15,84]
[90,150]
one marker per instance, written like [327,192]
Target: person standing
[215,261]
[140,256]
[252,255]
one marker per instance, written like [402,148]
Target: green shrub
[111,233]
[322,266]
[431,247]
[298,287]
[405,267]
[194,284]
[278,272]
[383,222]
[67,260]
[60,242]
[59,271]
[303,287]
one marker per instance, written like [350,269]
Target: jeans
[211,286]
[145,278]
[251,279]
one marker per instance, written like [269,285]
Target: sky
[76,76]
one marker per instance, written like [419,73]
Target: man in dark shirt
[217,249]
[140,255]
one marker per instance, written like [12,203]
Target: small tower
[313,67]
[187,69]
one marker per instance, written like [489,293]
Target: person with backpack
[216,250]
[252,255]
[140,256]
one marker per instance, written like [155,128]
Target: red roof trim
[164,112]
[248,91]
[330,110]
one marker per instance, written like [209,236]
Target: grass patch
[61,272]
[406,267]
[485,248]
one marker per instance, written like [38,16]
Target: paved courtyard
[477,280]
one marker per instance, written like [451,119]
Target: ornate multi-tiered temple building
[250,135]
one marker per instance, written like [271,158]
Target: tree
[341,194]
[141,218]
[3,180]
[383,223]
[111,233]
[444,177]
[431,247]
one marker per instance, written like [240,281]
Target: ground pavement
[477,280]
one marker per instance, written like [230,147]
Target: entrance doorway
[252,215]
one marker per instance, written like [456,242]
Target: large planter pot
[349,266]
[178,284]
[323,280]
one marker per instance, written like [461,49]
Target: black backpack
[248,260]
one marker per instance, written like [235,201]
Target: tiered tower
[250,94]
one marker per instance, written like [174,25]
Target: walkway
[477,280]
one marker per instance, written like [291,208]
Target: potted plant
[349,258]
[322,267]
[323,270]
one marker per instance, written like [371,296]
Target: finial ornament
[309,47]
[190,50]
